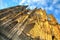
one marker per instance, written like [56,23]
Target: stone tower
[20,23]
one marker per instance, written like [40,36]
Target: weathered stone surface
[19,23]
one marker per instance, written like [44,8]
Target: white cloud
[55,1]
[32,3]
[51,8]
[58,6]
[40,3]
[32,7]
[23,1]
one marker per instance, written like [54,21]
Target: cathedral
[21,23]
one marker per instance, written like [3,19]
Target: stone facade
[19,23]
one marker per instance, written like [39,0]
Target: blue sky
[51,6]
